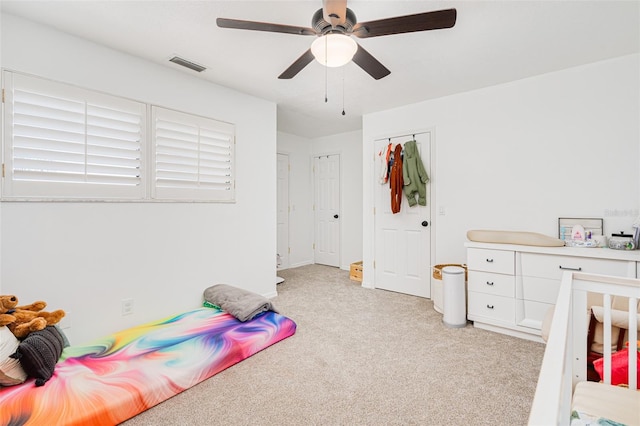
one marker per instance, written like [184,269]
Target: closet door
[326,206]
[403,240]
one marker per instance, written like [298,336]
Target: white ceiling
[492,42]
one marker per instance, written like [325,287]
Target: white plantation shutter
[67,142]
[193,157]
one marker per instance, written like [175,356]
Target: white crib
[562,381]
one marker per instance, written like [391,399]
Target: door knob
[335,216]
[425,223]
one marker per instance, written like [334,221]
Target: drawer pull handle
[489,282]
[570,269]
[490,306]
[490,260]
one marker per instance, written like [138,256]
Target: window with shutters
[63,142]
[193,157]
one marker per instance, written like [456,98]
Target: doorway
[402,252]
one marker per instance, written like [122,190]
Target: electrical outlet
[65,322]
[441,211]
[127,307]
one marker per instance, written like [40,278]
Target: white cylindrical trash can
[454,298]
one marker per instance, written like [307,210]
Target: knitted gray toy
[39,352]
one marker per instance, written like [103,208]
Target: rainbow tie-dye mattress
[119,376]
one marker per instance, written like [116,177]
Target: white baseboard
[297,265]
[508,331]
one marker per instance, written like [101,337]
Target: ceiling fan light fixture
[334,50]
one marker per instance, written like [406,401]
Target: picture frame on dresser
[594,225]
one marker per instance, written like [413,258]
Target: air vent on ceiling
[192,66]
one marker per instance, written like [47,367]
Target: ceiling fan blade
[334,11]
[371,65]
[263,26]
[297,65]
[407,24]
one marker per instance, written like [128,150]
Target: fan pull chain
[325,85]
[343,113]
[326,78]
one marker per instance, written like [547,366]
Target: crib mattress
[124,374]
[609,402]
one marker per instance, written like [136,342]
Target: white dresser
[511,287]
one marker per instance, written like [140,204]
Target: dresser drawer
[499,261]
[551,266]
[489,306]
[490,283]
[537,289]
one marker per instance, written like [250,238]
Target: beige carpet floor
[364,357]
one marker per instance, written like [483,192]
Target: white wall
[517,156]
[86,257]
[300,198]
[349,147]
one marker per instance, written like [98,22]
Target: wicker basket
[437,270]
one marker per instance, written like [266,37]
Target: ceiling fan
[336,23]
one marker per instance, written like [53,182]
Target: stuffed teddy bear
[6,319]
[22,320]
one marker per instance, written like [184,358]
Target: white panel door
[283,210]
[403,240]
[327,210]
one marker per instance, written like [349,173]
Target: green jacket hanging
[414,174]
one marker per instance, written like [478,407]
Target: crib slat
[606,302]
[632,334]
